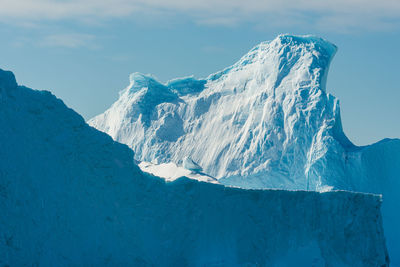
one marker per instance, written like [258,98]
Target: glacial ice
[257,121]
[170,172]
[267,121]
[189,164]
[71,196]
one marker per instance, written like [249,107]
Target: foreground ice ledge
[71,196]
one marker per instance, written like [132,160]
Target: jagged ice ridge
[267,121]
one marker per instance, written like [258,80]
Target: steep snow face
[71,196]
[266,121]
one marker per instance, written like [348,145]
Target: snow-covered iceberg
[71,196]
[265,122]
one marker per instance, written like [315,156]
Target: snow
[71,196]
[257,117]
[171,172]
[267,121]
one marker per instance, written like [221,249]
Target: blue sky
[83,51]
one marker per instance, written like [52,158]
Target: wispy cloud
[71,40]
[343,15]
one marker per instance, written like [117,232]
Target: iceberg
[267,121]
[72,196]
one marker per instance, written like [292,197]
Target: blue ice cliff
[71,196]
[267,121]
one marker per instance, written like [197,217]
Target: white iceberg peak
[267,121]
[261,115]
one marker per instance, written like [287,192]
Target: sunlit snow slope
[265,122]
[71,196]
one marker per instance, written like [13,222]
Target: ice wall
[70,195]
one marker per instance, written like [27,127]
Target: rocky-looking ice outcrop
[265,122]
[71,196]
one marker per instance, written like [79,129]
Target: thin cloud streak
[341,15]
[72,40]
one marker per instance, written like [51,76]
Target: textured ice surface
[171,172]
[71,196]
[265,122]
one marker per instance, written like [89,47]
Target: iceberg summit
[267,121]
[269,177]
